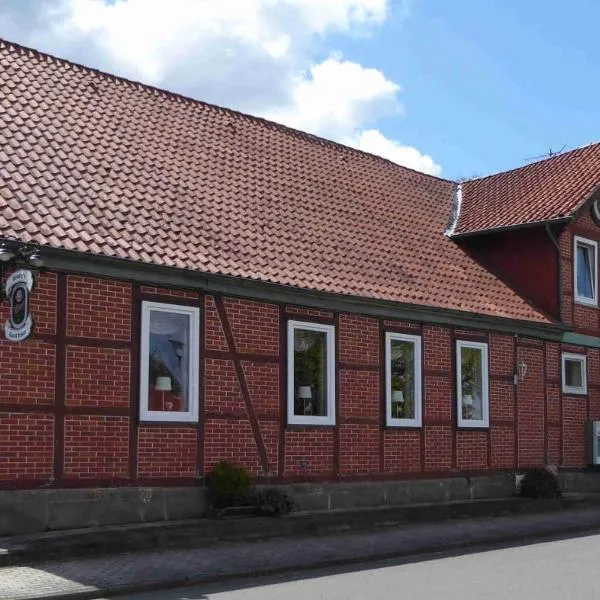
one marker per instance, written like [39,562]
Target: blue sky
[488,84]
[456,88]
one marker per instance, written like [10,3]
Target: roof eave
[76,262]
[557,221]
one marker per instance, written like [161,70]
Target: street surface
[554,570]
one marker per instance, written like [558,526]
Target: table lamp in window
[163,384]
[397,404]
[305,394]
[467,406]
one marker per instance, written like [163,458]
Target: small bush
[273,502]
[229,485]
[540,483]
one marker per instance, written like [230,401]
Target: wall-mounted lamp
[521,372]
[5,254]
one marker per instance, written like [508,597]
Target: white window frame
[329,330]
[569,389]
[594,245]
[416,341]
[191,415]
[483,423]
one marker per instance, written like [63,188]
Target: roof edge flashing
[455,215]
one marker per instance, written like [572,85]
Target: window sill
[574,392]
[586,302]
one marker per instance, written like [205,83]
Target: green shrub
[540,483]
[273,502]
[229,485]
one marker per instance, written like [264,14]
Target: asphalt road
[560,569]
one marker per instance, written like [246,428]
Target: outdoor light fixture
[36,260]
[6,254]
[521,372]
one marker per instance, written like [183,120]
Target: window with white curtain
[169,362]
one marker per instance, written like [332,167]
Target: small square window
[169,370]
[403,380]
[472,384]
[586,271]
[311,373]
[574,373]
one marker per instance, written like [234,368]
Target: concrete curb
[206,532]
[474,540]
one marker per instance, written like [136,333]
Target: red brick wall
[243,400]
[96,447]
[167,452]
[26,443]
[584,318]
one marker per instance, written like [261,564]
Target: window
[403,380]
[574,373]
[472,384]
[311,374]
[169,362]
[586,271]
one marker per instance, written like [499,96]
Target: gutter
[559,261]
[512,227]
[77,262]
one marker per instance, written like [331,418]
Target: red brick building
[219,286]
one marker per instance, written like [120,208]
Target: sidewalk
[107,576]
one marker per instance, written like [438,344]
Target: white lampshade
[468,400]
[163,384]
[304,392]
[398,396]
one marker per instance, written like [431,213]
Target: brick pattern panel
[438,398]
[402,451]
[594,404]
[553,403]
[222,392]
[97,377]
[213,329]
[438,448]
[43,304]
[26,446]
[270,435]
[232,440]
[472,450]
[359,394]
[567,309]
[300,312]
[554,446]
[585,319]
[98,308]
[263,383]
[165,452]
[593,366]
[437,349]
[502,401]
[173,293]
[503,447]
[412,328]
[531,400]
[96,447]
[501,349]
[308,452]
[552,361]
[574,419]
[255,326]
[359,449]
[27,372]
[359,340]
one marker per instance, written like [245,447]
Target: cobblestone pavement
[104,576]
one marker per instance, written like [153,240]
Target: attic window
[586,271]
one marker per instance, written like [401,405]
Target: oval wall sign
[18,290]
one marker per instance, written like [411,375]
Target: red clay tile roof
[98,164]
[543,191]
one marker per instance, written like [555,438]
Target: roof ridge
[537,162]
[182,97]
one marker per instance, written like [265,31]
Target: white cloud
[373,141]
[337,97]
[252,55]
